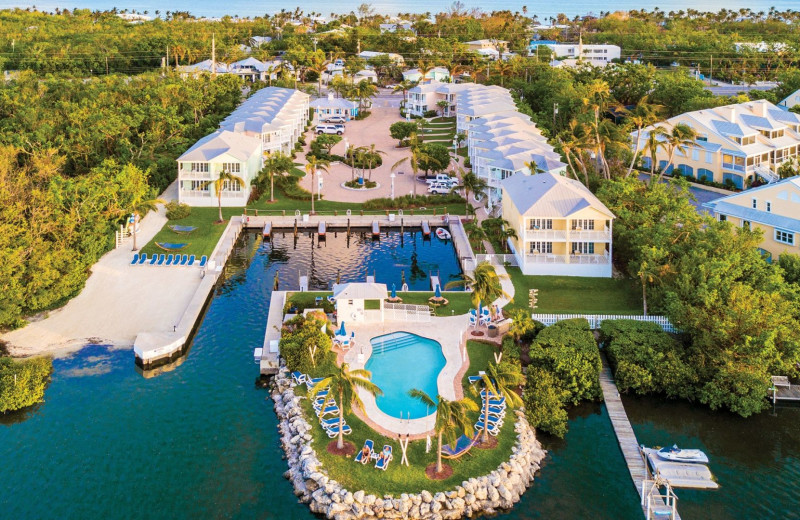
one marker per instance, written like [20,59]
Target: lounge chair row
[179,260]
[368,453]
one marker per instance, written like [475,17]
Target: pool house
[331,106]
[360,302]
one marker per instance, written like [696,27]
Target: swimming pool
[399,362]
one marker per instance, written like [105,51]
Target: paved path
[118,302]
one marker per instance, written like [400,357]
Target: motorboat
[443,234]
[676,454]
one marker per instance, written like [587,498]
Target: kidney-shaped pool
[399,362]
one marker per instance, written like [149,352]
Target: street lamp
[455,149]
[392,176]
[319,186]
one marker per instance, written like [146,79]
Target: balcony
[602,235]
[195,194]
[546,235]
[545,258]
[588,259]
[549,258]
[574,235]
[733,167]
[195,174]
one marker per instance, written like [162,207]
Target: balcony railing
[549,258]
[573,235]
[194,174]
[588,259]
[732,166]
[601,235]
[195,193]
[545,234]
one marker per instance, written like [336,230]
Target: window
[723,218]
[695,154]
[231,186]
[541,223]
[746,224]
[583,248]
[755,203]
[541,247]
[769,207]
[784,237]
[201,167]
[709,157]
[198,186]
[232,167]
[582,224]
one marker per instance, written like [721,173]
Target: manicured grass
[399,479]
[308,300]
[480,354]
[202,240]
[458,301]
[578,295]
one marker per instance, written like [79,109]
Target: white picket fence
[407,312]
[595,320]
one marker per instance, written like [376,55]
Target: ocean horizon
[246,8]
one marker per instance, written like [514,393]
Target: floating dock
[267,232]
[426,229]
[321,229]
[376,229]
[680,474]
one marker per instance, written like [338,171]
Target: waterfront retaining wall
[487,494]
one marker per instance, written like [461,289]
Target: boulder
[426,496]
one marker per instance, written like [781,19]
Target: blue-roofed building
[773,208]
[735,145]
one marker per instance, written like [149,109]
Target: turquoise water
[402,361]
[200,441]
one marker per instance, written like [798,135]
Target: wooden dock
[783,390]
[624,432]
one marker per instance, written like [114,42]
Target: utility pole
[315,43]
[555,111]
[106,65]
[711,72]
[213,56]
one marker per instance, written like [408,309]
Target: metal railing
[407,312]
[545,234]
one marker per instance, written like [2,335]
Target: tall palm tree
[499,380]
[404,86]
[143,207]
[655,141]
[343,384]
[485,283]
[416,159]
[276,163]
[472,183]
[452,419]
[372,157]
[679,139]
[314,166]
[644,114]
[226,180]
[365,90]
[476,234]
[318,65]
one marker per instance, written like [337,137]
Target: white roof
[550,195]
[360,291]
[222,142]
[204,66]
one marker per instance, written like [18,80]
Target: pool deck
[449,332]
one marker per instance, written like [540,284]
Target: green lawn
[202,240]
[578,295]
[399,479]
[308,300]
[458,301]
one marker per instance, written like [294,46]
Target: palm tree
[404,86]
[318,65]
[679,139]
[344,383]
[507,232]
[472,183]
[314,166]
[365,90]
[499,380]
[644,114]
[485,283]
[452,419]
[653,142]
[476,234]
[372,156]
[275,163]
[416,159]
[534,167]
[143,207]
[225,181]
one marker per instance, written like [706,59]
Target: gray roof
[550,195]
[333,103]
[754,215]
[360,291]
[762,123]
[784,116]
[237,145]
[727,128]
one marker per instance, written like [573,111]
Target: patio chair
[493,429]
[334,431]
[327,423]
[183,261]
[330,410]
[169,260]
[363,459]
[153,260]
[298,378]
[383,463]
[191,261]
[461,447]
[203,261]
[493,419]
[311,382]
[472,320]
[161,259]
[485,319]
[135,259]
[142,258]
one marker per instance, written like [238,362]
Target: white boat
[676,454]
[443,234]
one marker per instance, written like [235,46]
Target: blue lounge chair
[153,260]
[181,260]
[361,457]
[320,401]
[383,463]
[334,431]
[493,419]
[327,423]
[462,446]
[330,410]
[474,379]
[160,260]
[495,402]
[499,411]
[203,260]
[312,381]
[142,258]
[169,260]
[191,261]
[492,427]
[298,378]
[135,259]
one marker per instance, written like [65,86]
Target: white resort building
[270,120]
[331,106]
[562,228]
[598,55]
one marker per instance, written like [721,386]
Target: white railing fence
[407,312]
[497,259]
[595,320]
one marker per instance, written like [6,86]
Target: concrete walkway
[118,301]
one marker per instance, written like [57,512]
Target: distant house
[200,165]
[204,66]
[332,106]
[396,58]
[496,45]
[436,73]
[735,143]
[400,25]
[365,75]
[791,100]
[562,228]
[597,55]
[254,42]
[774,209]
[762,46]
[252,69]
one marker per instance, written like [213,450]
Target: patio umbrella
[341,331]
[394,292]
[438,293]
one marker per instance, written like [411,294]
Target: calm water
[399,363]
[540,8]
[200,441]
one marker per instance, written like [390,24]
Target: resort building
[436,73]
[277,116]
[222,151]
[426,96]
[251,69]
[562,228]
[400,25]
[332,106]
[597,55]
[497,46]
[773,208]
[734,144]
[791,100]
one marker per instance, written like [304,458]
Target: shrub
[544,402]
[511,350]
[299,336]
[289,185]
[430,113]
[355,184]
[362,115]
[177,211]
[22,383]
[409,202]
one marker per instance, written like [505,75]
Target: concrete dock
[272,335]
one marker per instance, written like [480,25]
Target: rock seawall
[498,490]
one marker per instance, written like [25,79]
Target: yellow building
[734,144]
[562,228]
[773,208]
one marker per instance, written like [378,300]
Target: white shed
[360,302]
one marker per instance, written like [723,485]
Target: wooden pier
[783,390]
[625,435]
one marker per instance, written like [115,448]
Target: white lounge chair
[494,430]
[334,431]
[298,378]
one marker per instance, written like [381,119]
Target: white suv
[439,188]
[329,129]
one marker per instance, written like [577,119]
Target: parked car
[335,119]
[329,129]
[439,188]
[442,178]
